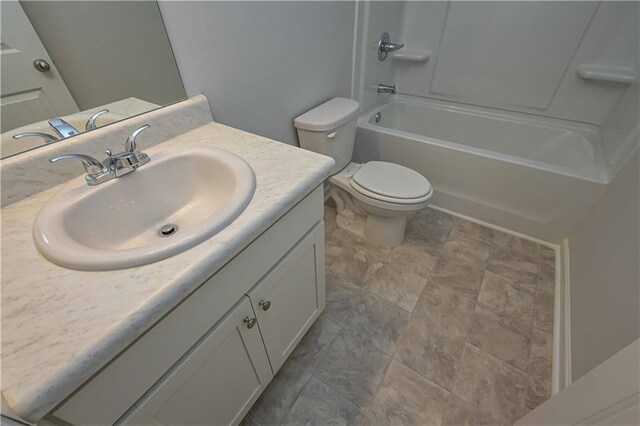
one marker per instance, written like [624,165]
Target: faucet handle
[46,137]
[130,144]
[92,166]
[91,122]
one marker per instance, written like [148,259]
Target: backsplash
[30,173]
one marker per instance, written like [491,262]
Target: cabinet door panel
[295,291]
[216,383]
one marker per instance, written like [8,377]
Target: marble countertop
[60,326]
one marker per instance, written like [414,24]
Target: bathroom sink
[182,197]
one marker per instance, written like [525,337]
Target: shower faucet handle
[385,45]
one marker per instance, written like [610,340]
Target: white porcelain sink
[118,224]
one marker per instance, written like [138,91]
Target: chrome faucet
[386,88]
[115,165]
[385,45]
[62,128]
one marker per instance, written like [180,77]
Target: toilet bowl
[374,199]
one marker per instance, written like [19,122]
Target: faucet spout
[62,128]
[386,88]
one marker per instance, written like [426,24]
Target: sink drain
[168,230]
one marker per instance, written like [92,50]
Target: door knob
[41,65]
[265,304]
[250,322]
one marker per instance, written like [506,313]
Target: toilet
[374,199]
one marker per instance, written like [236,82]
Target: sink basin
[182,197]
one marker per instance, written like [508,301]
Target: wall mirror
[73,66]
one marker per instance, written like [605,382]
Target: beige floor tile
[318,338]
[341,299]
[501,336]
[400,288]
[474,230]
[546,281]
[355,266]
[461,413]
[484,381]
[280,395]
[522,278]
[378,322]
[507,297]
[539,387]
[524,248]
[547,255]
[504,259]
[352,367]
[541,344]
[543,316]
[318,404]
[430,225]
[444,307]
[406,398]
[412,259]
[431,349]
[467,248]
[459,275]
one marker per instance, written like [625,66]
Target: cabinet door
[291,296]
[216,382]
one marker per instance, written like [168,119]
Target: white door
[607,395]
[289,298]
[28,95]
[216,382]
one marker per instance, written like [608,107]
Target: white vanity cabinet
[215,382]
[290,298]
[208,360]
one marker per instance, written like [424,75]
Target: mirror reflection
[70,67]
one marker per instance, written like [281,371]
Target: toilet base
[379,230]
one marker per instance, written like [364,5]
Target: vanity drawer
[153,354]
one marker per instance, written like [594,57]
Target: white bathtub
[530,174]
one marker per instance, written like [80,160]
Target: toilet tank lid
[328,116]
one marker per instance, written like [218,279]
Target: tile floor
[453,327]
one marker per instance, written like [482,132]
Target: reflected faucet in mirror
[62,128]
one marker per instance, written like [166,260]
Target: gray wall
[107,51]
[262,64]
[605,276]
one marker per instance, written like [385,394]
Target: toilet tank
[330,129]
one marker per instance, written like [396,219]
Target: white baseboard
[561,366]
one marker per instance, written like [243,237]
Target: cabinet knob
[265,304]
[250,322]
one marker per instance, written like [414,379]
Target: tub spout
[386,88]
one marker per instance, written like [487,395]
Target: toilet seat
[391,183]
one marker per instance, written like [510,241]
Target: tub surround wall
[263,64]
[84,319]
[525,61]
[29,173]
[605,294]
[378,18]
